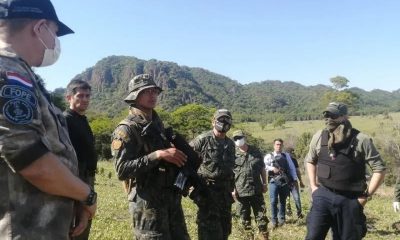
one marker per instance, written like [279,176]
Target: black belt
[344,192]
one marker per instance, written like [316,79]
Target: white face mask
[240,142]
[51,56]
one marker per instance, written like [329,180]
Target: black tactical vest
[344,172]
[279,161]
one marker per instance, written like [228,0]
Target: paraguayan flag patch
[16,79]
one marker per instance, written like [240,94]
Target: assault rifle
[187,175]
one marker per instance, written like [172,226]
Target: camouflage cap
[238,133]
[222,112]
[336,108]
[139,83]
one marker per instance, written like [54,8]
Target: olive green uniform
[214,217]
[249,187]
[30,126]
[154,204]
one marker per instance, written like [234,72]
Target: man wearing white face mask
[38,166]
[250,184]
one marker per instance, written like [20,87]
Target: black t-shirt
[82,139]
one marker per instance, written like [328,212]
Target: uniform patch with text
[18,104]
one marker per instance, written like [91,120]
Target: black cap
[336,108]
[34,9]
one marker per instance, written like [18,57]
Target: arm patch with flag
[18,103]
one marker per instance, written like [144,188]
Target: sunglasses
[330,115]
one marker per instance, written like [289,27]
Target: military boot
[263,235]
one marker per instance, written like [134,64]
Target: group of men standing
[48,160]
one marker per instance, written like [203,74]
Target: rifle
[187,175]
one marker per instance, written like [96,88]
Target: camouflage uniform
[30,126]
[154,204]
[248,185]
[214,216]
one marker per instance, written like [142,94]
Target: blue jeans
[278,193]
[294,189]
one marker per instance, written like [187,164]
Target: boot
[263,235]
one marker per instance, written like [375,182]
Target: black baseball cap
[34,9]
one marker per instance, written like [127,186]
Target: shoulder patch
[17,92]
[18,111]
[16,79]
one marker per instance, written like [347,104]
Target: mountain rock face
[182,85]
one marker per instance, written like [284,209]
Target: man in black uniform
[337,156]
[78,96]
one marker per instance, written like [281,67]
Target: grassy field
[114,222]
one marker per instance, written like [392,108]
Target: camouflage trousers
[214,217]
[153,221]
[257,204]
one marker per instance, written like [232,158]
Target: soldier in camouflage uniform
[145,160]
[38,165]
[250,184]
[214,218]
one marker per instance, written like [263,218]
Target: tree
[191,120]
[339,82]
[279,122]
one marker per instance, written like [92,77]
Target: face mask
[51,56]
[332,124]
[222,126]
[240,142]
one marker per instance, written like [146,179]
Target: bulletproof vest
[279,161]
[343,172]
[150,137]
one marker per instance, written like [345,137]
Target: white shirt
[268,160]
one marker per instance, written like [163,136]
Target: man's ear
[38,27]
[68,98]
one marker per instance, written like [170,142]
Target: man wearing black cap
[38,166]
[146,162]
[214,218]
[336,170]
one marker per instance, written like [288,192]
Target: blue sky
[305,41]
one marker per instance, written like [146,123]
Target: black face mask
[222,126]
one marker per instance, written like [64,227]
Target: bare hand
[313,188]
[91,210]
[362,201]
[275,170]
[82,218]
[172,155]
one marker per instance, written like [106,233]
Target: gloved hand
[396,206]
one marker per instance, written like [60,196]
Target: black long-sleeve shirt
[82,139]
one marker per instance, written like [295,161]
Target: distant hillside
[182,85]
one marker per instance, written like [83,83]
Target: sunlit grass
[113,221]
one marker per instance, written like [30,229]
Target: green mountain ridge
[183,85]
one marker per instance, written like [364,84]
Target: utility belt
[350,194]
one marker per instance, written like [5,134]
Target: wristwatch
[91,198]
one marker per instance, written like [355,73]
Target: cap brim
[133,95]
[63,29]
